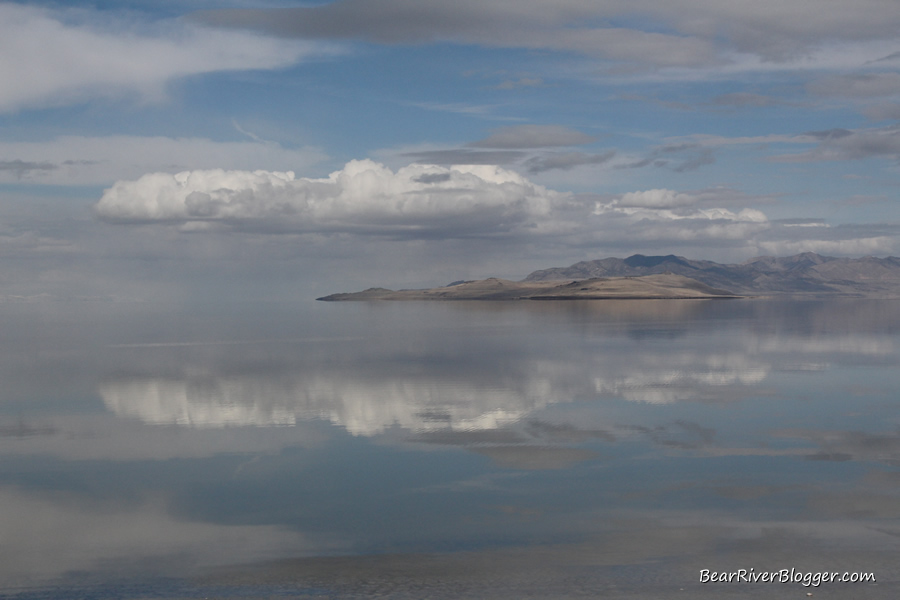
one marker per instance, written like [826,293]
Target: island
[806,275]
[665,285]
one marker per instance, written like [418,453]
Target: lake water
[448,450]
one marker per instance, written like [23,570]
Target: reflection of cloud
[42,538]
[534,457]
[363,407]
[170,402]
[368,403]
[840,446]
[688,377]
[870,345]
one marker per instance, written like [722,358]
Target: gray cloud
[466,156]
[844,144]
[744,99]
[536,24]
[521,82]
[566,161]
[22,168]
[828,134]
[533,136]
[520,145]
[883,112]
[671,104]
[677,157]
[857,85]
[83,160]
[771,29]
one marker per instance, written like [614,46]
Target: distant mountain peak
[807,273]
[639,260]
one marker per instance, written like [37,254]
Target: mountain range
[802,274]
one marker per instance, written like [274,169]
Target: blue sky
[332,145]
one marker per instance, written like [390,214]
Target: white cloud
[668,205]
[417,200]
[865,246]
[47,60]
[656,199]
[365,197]
[468,202]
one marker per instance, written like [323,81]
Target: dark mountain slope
[806,274]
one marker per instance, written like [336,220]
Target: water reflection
[440,385]
[529,434]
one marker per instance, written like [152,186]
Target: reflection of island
[647,287]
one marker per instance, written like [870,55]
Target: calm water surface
[448,450]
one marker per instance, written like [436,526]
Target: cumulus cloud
[58,57]
[465,202]
[363,197]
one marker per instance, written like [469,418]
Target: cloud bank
[363,197]
[51,58]
[417,201]
[430,202]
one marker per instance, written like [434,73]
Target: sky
[266,149]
